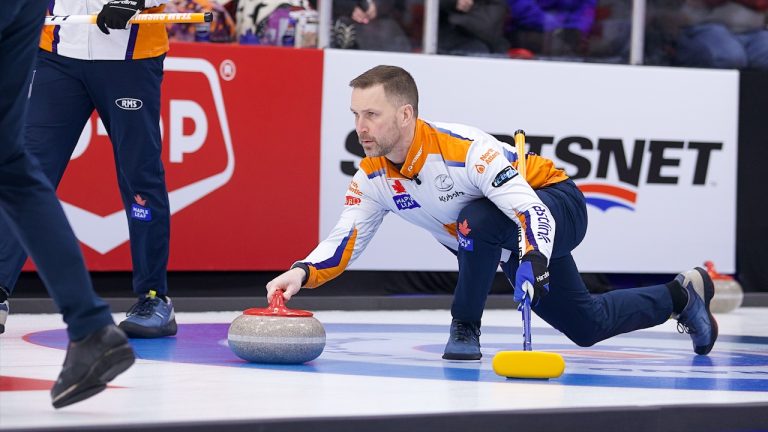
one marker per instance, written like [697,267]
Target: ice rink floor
[383,371]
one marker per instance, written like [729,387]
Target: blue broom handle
[526,309]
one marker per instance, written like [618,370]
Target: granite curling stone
[276,334]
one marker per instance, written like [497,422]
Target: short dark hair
[398,84]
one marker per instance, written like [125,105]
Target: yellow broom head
[528,364]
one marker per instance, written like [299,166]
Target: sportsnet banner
[241,128]
[653,150]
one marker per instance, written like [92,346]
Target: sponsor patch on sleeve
[504,176]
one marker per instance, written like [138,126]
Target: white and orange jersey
[87,42]
[447,167]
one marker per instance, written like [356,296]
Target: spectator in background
[369,25]
[472,27]
[550,27]
[723,34]
[609,37]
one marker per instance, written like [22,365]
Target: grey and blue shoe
[464,342]
[696,319]
[150,317]
[4,309]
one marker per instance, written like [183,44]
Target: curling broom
[527,363]
[158,18]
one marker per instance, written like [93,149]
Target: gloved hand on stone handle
[532,278]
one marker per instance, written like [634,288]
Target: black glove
[532,272]
[117,13]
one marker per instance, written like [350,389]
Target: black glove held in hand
[532,273]
[117,13]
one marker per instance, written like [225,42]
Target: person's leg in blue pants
[27,199]
[135,134]
[59,107]
[137,146]
[98,351]
[585,318]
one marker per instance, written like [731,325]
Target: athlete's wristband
[304,267]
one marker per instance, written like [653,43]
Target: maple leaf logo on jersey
[464,228]
[139,200]
[398,187]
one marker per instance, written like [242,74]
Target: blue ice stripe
[657,382]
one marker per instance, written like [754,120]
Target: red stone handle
[277,308]
[713,272]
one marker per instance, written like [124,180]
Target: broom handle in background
[520,148]
[159,18]
[519,137]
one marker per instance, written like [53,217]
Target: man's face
[375,121]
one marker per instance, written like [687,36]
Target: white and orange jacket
[447,167]
[87,42]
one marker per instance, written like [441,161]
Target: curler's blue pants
[583,317]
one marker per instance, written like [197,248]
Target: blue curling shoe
[150,317]
[696,319]
[464,342]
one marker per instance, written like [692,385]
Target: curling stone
[728,292]
[276,334]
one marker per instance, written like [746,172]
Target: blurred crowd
[729,34]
